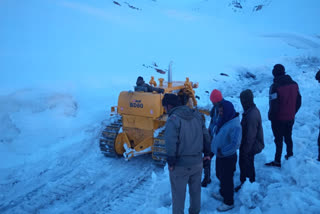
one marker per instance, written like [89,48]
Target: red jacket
[284,99]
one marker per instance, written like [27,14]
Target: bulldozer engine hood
[184,112]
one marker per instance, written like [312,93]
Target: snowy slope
[63,64]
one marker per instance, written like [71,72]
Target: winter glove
[171,161]
[206,158]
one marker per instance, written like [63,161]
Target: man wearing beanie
[284,103]
[186,138]
[252,141]
[318,78]
[224,145]
[216,99]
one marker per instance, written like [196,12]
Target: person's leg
[243,167]
[207,173]
[278,139]
[178,180]
[218,195]
[288,137]
[195,189]
[251,171]
[319,146]
[218,168]
[227,186]
[243,171]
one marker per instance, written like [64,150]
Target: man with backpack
[252,141]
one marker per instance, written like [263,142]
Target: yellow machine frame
[140,120]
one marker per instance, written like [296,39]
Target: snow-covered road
[63,64]
[78,180]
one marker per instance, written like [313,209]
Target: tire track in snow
[67,179]
[86,182]
[121,190]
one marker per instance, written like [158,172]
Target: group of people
[191,145]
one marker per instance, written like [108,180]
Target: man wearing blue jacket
[225,145]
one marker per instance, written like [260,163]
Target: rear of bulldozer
[141,114]
[140,125]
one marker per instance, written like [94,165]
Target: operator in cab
[142,86]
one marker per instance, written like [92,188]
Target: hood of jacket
[183,112]
[228,113]
[283,79]
[246,99]
[140,82]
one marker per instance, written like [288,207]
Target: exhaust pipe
[170,75]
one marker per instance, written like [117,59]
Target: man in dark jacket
[252,137]
[284,103]
[186,138]
[318,78]
[142,86]
[216,99]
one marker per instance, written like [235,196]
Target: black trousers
[225,168]
[282,129]
[319,146]
[246,163]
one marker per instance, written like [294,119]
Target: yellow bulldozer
[140,127]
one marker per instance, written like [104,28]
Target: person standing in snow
[224,145]
[142,86]
[216,98]
[318,78]
[252,137]
[186,138]
[284,103]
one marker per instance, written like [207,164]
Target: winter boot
[238,187]
[288,156]
[224,207]
[217,196]
[273,163]
[205,181]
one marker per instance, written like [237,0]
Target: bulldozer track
[159,153]
[129,195]
[108,137]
